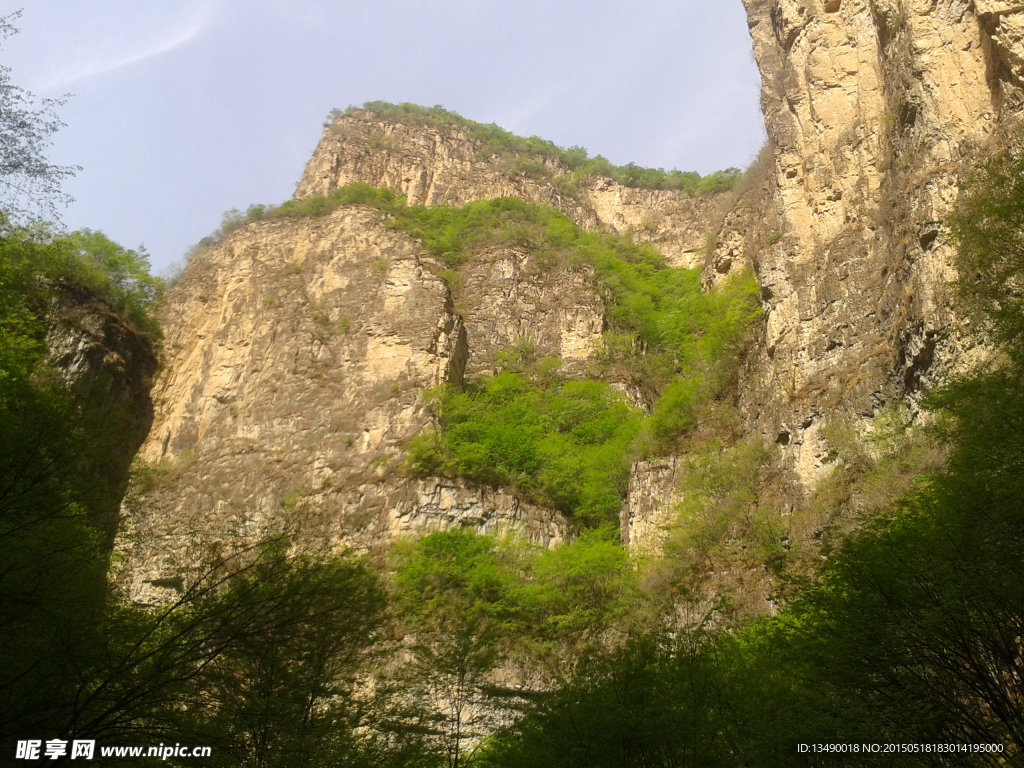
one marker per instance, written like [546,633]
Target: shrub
[565,442]
[530,597]
[88,260]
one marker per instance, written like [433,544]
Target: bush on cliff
[566,442]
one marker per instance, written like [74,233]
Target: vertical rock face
[870,106]
[433,166]
[649,512]
[873,108]
[298,350]
[297,353]
[107,366]
[511,297]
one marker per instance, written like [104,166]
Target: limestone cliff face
[298,350]
[873,110]
[107,366]
[433,166]
[508,296]
[870,106]
[297,355]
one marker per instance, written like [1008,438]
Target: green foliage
[567,442]
[912,632]
[576,590]
[653,704]
[526,155]
[988,227]
[473,602]
[291,634]
[529,599]
[30,186]
[692,339]
[119,276]
[85,261]
[719,503]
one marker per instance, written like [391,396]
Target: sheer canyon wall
[297,350]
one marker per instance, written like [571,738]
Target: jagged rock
[108,368]
[431,166]
[870,106]
[510,297]
[298,350]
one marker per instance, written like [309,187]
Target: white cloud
[112,54]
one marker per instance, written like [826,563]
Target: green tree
[294,634]
[30,186]
[651,704]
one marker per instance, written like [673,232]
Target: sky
[183,109]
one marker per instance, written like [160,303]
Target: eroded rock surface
[108,367]
[435,166]
[298,350]
[297,353]
[870,106]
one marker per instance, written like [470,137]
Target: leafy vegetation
[911,632]
[30,186]
[495,140]
[567,442]
[531,601]
[36,259]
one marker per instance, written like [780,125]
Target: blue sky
[182,109]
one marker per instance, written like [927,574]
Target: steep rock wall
[874,109]
[108,367]
[297,354]
[870,106]
[509,296]
[433,166]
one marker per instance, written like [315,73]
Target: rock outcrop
[108,368]
[870,106]
[874,108]
[298,352]
[437,166]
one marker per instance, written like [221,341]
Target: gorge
[664,455]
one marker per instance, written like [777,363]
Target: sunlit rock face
[871,107]
[297,354]
[298,351]
[433,166]
[874,110]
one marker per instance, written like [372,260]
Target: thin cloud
[99,64]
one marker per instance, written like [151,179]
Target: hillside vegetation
[569,444]
[908,637]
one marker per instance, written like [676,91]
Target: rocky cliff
[298,350]
[874,110]
[871,107]
[108,368]
[298,353]
[442,166]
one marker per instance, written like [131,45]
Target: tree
[454,594]
[30,186]
[283,691]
